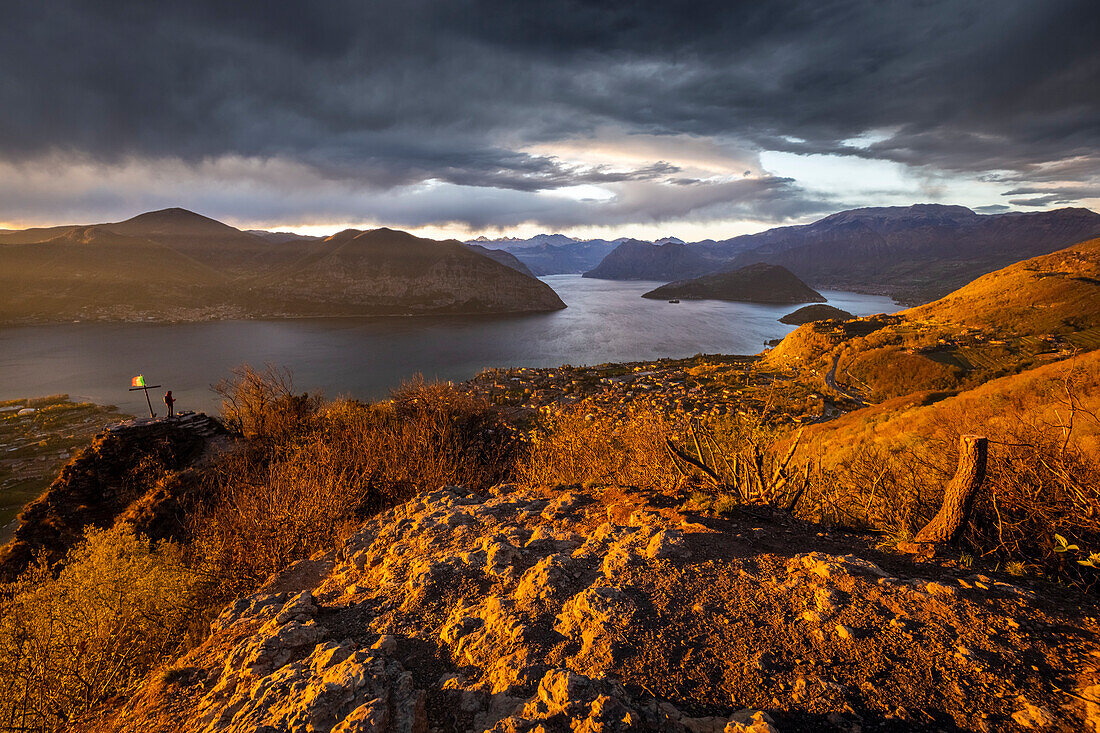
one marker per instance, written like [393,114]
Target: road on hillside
[830,380]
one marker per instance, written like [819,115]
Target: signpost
[137,383]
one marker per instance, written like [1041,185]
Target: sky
[592,118]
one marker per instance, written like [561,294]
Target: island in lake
[759,283]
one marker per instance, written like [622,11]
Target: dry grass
[1054,293]
[1004,322]
[571,446]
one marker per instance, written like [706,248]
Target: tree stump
[958,497]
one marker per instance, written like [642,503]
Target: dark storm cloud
[392,93]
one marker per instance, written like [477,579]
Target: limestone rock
[751,721]
[1032,716]
[594,613]
[518,610]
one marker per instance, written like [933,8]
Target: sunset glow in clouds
[594,119]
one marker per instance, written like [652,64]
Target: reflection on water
[363,357]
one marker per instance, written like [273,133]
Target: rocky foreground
[606,610]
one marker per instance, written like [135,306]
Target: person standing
[169,400]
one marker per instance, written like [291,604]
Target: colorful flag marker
[137,383]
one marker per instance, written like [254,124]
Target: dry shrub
[308,487]
[436,436]
[572,447]
[262,406]
[871,488]
[1040,482]
[1042,477]
[725,461]
[117,607]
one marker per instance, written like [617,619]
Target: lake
[606,321]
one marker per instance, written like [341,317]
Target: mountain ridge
[914,254]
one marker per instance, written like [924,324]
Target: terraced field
[981,357]
[1088,339]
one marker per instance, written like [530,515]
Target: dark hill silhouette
[282,237]
[811,313]
[343,235]
[758,283]
[174,222]
[209,241]
[916,253]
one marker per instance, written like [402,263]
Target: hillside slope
[1056,293]
[503,257]
[89,272]
[1036,397]
[1039,310]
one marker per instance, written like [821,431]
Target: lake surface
[606,321]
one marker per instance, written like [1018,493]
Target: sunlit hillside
[1036,311]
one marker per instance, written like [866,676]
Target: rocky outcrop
[811,313]
[759,283]
[134,471]
[599,610]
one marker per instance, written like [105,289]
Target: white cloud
[855,181]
